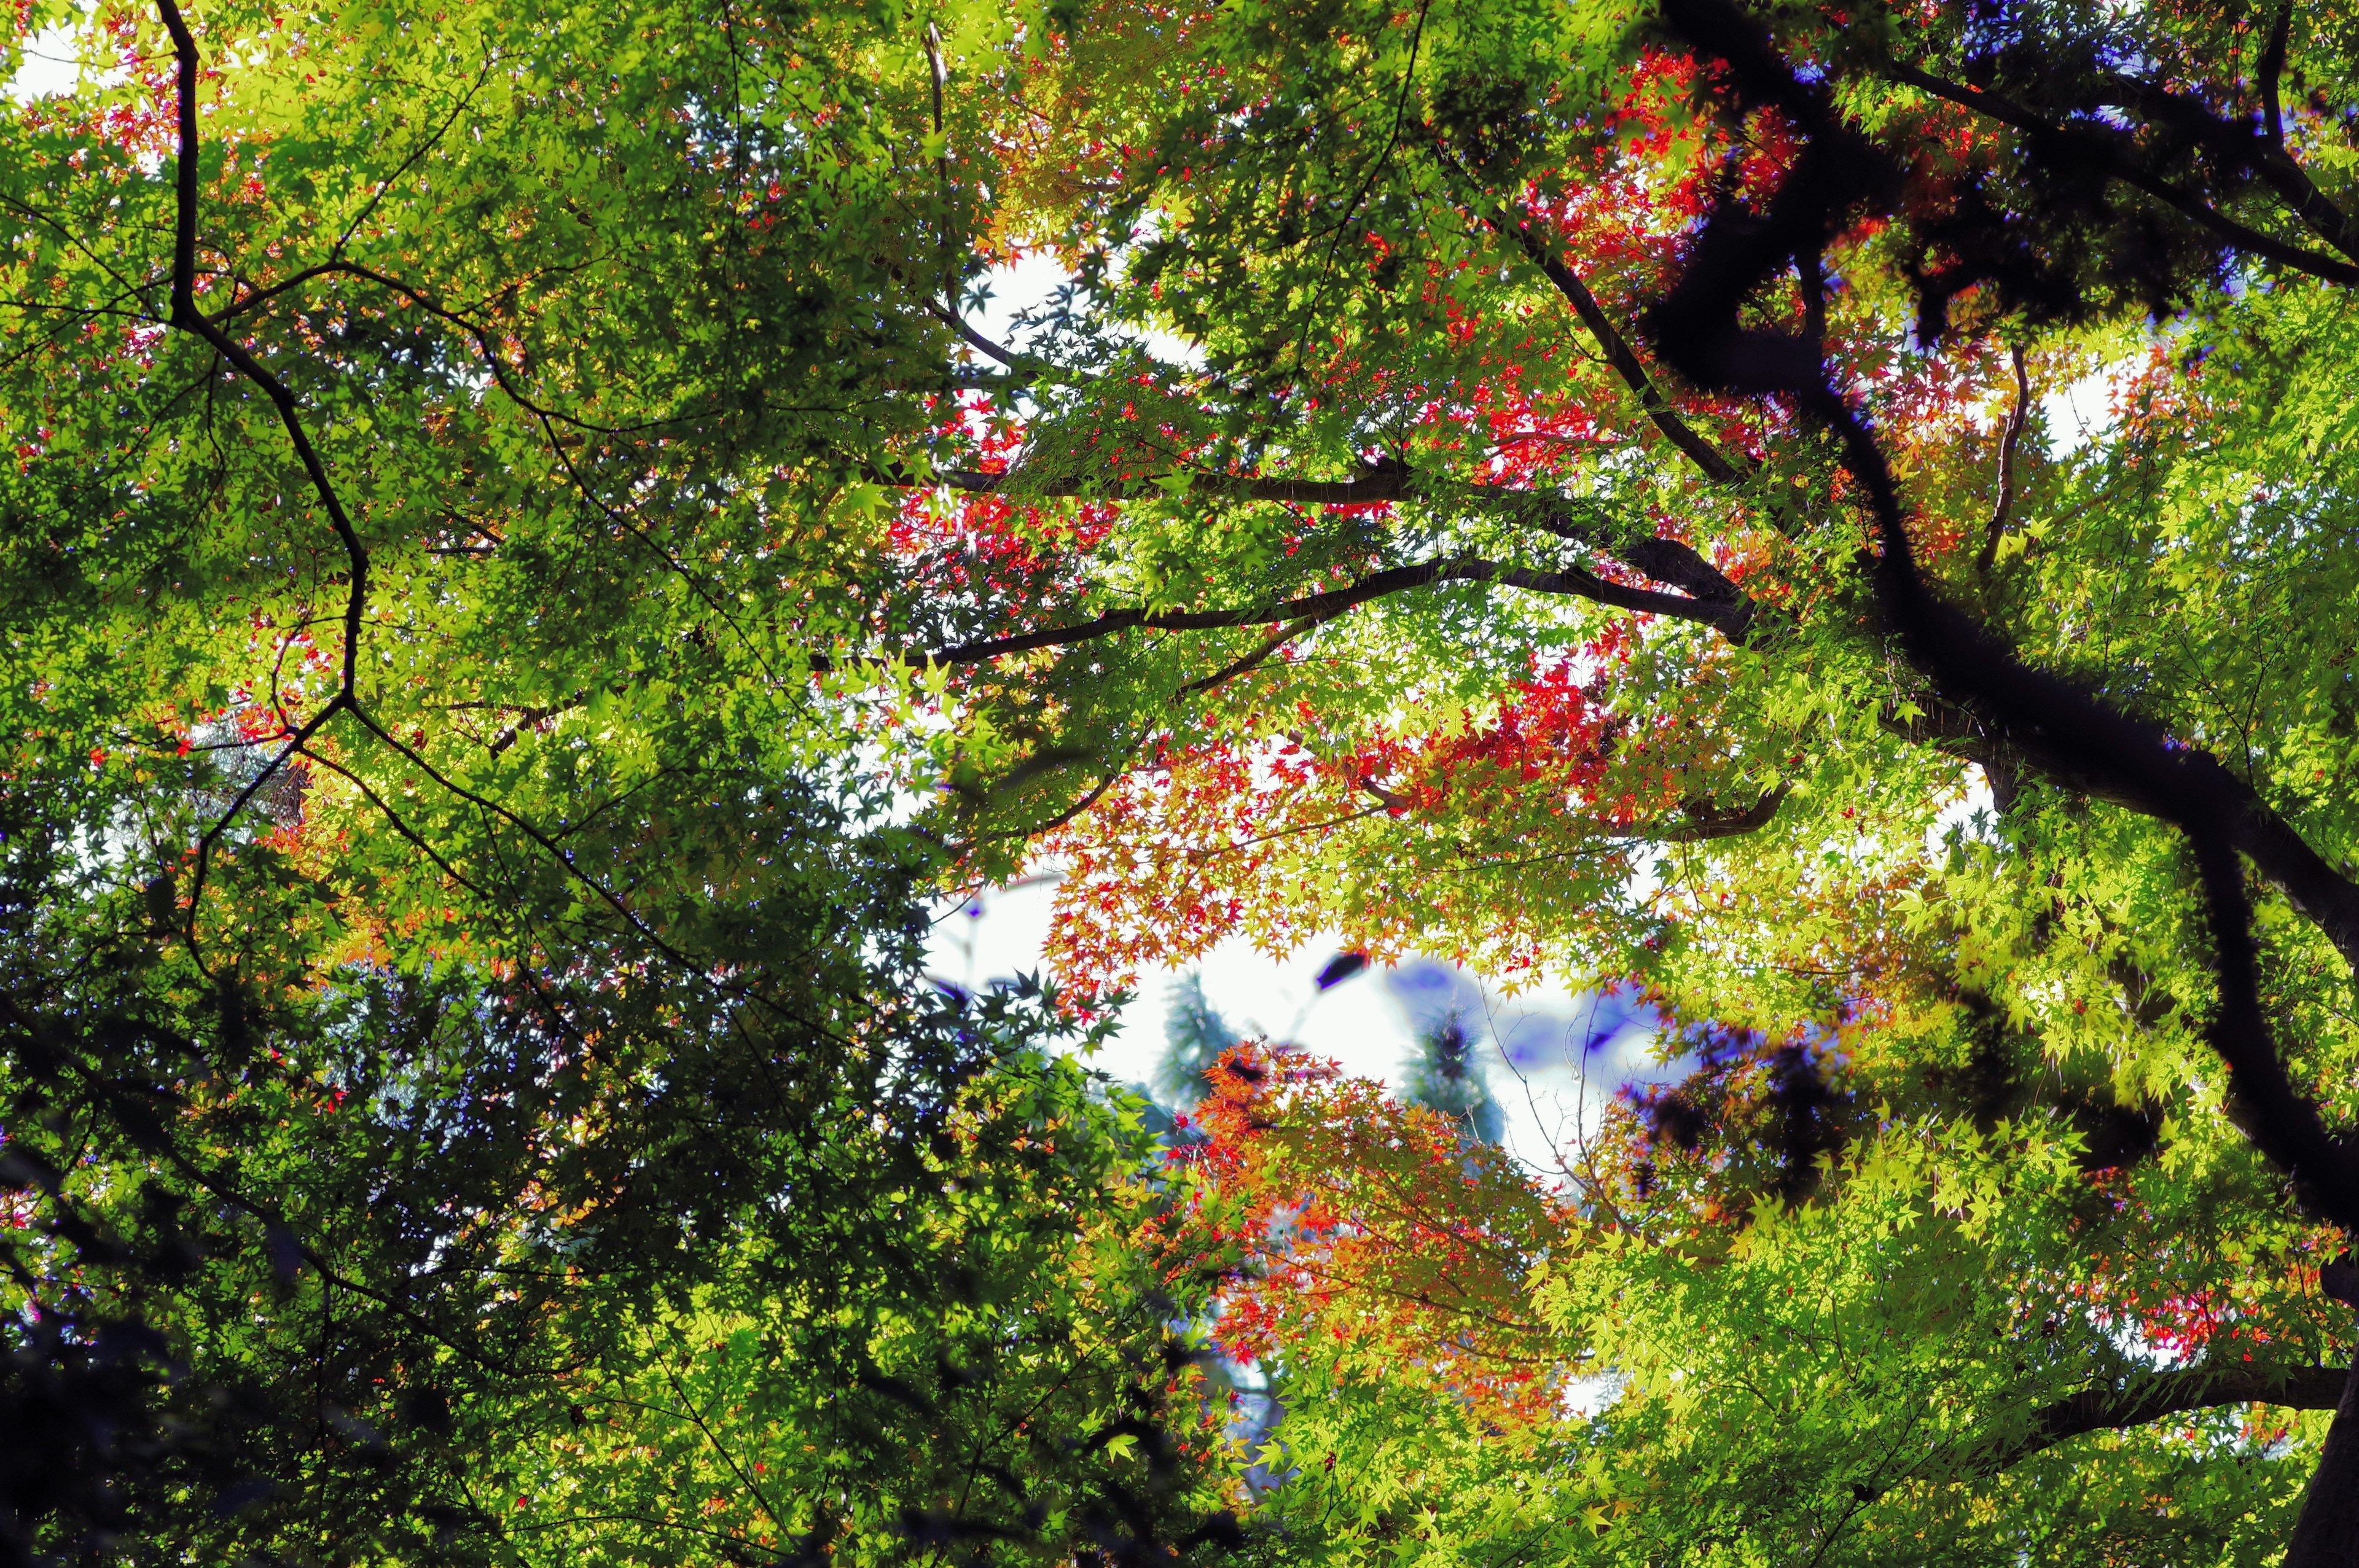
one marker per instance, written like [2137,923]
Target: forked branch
[2064,730]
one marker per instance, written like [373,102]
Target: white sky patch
[1023,285]
[2082,412]
[1536,1049]
[1961,813]
[1029,282]
[49,65]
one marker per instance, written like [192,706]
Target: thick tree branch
[2071,144]
[2272,69]
[1665,560]
[2069,733]
[1315,607]
[2163,1394]
[2329,1524]
[2241,147]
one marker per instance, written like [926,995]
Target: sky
[46,67]
[1532,1046]
[1550,1054]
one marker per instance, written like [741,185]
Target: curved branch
[188,318]
[2009,443]
[1665,560]
[1713,598]
[2173,1394]
[2080,146]
[1268,645]
[295,742]
[1570,583]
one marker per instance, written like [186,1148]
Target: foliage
[519,575]
[1618,515]
[467,1089]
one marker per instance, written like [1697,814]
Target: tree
[1607,520]
[468,1092]
[1446,1078]
[1611,521]
[1195,1037]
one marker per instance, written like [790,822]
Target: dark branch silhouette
[1838,178]
[2176,1392]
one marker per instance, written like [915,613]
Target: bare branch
[1712,597]
[295,742]
[957,323]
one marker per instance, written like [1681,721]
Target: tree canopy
[523,580]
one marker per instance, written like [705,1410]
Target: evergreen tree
[1445,1077]
[1194,1037]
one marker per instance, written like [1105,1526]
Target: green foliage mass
[468,1089]
[519,580]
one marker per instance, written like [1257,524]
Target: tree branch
[1618,353]
[957,323]
[1713,598]
[2082,147]
[2239,146]
[188,318]
[2153,1398]
[1571,583]
[1704,822]
[2006,447]
[1270,644]
[1665,560]
[1377,485]
[2272,68]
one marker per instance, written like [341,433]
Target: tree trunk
[2327,1535]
